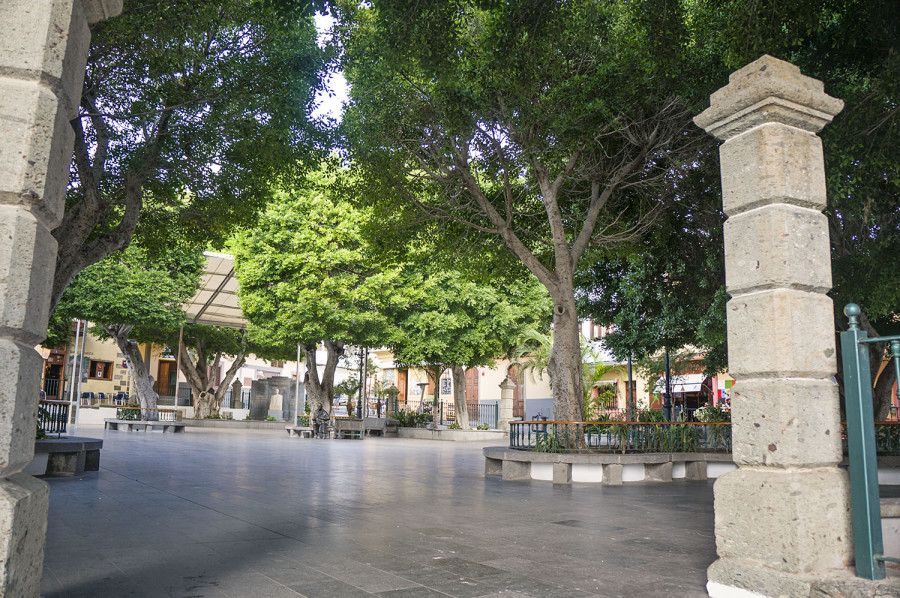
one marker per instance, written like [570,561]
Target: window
[445,386]
[100,370]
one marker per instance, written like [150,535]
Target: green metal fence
[863,443]
[620,437]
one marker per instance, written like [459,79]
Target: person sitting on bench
[320,422]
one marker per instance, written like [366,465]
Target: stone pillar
[43,48]
[783,517]
[506,404]
[236,395]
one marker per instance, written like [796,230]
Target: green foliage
[454,426]
[130,288]
[456,321]
[407,418]
[270,418]
[208,102]
[482,427]
[649,415]
[348,387]
[712,413]
[549,443]
[307,273]
[131,412]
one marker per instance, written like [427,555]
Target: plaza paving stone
[248,513]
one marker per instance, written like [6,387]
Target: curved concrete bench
[65,456]
[611,469]
[139,425]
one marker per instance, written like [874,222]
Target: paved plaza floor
[243,513]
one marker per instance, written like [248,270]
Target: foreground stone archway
[43,50]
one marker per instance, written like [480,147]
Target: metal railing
[480,414]
[245,399]
[145,413]
[620,437]
[863,444]
[51,387]
[53,417]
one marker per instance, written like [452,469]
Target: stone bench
[140,425]
[378,426]
[65,456]
[610,469]
[299,431]
[348,428]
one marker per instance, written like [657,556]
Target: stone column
[43,48]
[506,404]
[783,517]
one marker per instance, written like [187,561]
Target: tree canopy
[189,112]
[132,298]
[308,275]
[543,126]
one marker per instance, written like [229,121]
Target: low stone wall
[450,435]
[604,468]
[235,424]
[615,469]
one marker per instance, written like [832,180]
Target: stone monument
[506,404]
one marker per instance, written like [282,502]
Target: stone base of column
[23,524]
[749,580]
[780,530]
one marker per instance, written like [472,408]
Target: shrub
[455,426]
[483,427]
[712,413]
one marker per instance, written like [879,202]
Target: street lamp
[667,396]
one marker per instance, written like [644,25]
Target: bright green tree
[132,299]
[308,275]
[456,323]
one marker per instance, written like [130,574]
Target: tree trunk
[434,372]
[239,360]
[140,375]
[322,390]
[882,394]
[459,396]
[196,376]
[565,365]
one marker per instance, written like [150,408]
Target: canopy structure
[681,384]
[216,303]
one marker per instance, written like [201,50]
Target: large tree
[132,299]
[309,276]
[547,125]
[190,110]
[456,323]
[202,349]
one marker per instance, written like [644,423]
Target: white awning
[216,303]
[681,384]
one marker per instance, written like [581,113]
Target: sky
[329,105]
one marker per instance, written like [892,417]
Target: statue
[320,422]
[275,401]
